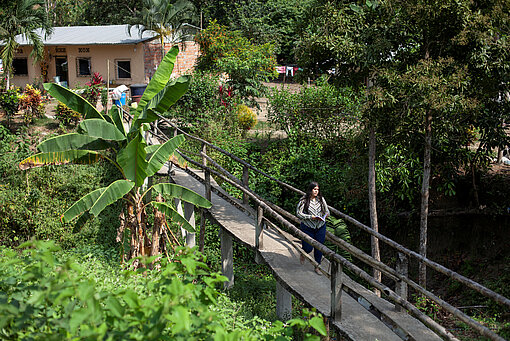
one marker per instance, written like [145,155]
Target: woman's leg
[320,236]
[307,247]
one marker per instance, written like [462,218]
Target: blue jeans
[317,234]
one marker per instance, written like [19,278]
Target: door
[61,68]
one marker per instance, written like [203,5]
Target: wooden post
[259,234]
[246,178]
[283,303]
[336,291]
[401,286]
[189,214]
[227,258]
[201,238]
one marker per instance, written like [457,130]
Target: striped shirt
[314,210]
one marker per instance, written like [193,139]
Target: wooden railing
[270,215]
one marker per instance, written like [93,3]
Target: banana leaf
[111,194]
[102,129]
[60,158]
[159,79]
[82,205]
[116,116]
[73,101]
[152,148]
[183,193]
[160,102]
[161,155]
[132,160]
[72,141]
[174,216]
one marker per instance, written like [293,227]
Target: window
[20,67]
[83,66]
[123,68]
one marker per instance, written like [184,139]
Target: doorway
[61,68]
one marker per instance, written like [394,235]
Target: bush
[247,118]
[94,89]
[45,294]
[246,64]
[9,102]
[32,202]
[323,111]
[66,115]
[31,102]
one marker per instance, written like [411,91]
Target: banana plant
[102,136]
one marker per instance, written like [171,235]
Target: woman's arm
[326,207]
[299,212]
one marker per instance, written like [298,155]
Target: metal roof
[91,35]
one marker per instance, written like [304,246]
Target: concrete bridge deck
[282,257]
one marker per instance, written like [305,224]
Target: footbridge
[356,312]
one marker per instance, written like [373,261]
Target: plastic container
[137,89]
[122,100]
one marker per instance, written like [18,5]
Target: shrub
[67,116]
[9,102]
[31,102]
[321,111]
[246,64]
[46,295]
[94,89]
[31,203]
[247,118]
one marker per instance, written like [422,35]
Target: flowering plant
[31,102]
[94,87]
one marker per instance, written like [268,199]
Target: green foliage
[323,111]
[246,64]
[201,106]
[247,118]
[9,102]
[31,203]
[47,294]
[339,229]
[67,116]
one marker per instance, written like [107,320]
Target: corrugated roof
[91,35]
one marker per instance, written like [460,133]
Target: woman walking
[313,211]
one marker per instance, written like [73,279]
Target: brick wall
[186,59]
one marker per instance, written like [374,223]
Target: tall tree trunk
[372,201]
[424,211]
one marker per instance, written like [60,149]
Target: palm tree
[166,18]
[22,17]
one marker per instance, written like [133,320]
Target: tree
[22,17]
[166,18]
[437,70]
[99,135]
[246,64]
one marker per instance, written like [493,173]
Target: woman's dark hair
[308,195]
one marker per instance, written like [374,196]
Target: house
[73,54]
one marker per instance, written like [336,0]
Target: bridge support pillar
[227,258]
[401,286]
[336,291]
[283,303]
[189,214]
